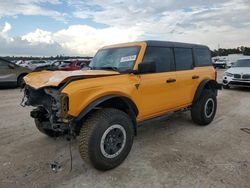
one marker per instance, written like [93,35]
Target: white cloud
[75,40]
[83,39]
[29,7]
[4,33]
[39,36]
[6,27]
[209,22]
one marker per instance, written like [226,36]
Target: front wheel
[204,109]
[106,138]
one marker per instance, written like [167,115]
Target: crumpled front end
[50,106]
[43,91]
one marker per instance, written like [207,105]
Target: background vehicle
[127,84]
[38,65]
[11,74]
[238,75]
[70,65]
[26,64]
[35,65]
[220,63]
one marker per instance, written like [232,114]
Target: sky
[81,27]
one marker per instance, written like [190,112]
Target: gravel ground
[173,152]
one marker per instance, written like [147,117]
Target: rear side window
[163,57]
[183,58]
[203,57]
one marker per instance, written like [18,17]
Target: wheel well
[212,85]
[121,103]
[206,84]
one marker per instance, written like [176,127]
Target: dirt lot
[171,153]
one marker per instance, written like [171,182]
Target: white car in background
[34,64]
[220,63]
[238,75]
[26,64]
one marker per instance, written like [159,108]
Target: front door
[158,89]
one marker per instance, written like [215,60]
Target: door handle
[195,77]
[171,80]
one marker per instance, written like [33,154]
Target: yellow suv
[124,85]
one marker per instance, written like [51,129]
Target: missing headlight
[64,105]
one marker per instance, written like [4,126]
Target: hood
[239,70]
[54,78]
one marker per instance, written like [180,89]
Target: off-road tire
[198,108]
[92,131]
[48,132]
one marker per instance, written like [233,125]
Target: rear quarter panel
[205,73]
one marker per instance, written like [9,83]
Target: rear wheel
[47,131]
[20,81]
[106,138]
[204,109]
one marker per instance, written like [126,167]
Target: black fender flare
[131,105]
[206,84]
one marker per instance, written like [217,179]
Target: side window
[203,57]
[183,58]
[3,64]
[163,57]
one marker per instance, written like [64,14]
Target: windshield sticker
[128,58]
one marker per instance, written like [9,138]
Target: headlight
[228,74]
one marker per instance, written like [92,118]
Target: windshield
[117,59]
[242,63]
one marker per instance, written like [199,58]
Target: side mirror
[12,66]
[147,67]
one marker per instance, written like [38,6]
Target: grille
[237,76]
[246,76]
[239,83]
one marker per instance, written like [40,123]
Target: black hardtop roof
[173,44]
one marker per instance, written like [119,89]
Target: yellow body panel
[151,93]
[153,97]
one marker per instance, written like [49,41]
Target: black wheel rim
[209,108]
[113,141]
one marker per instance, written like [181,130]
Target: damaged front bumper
[51,106]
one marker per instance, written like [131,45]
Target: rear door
[188,78]
[7,73]
[158,90]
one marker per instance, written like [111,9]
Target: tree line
[224,52]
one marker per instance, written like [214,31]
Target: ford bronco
[126,84]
